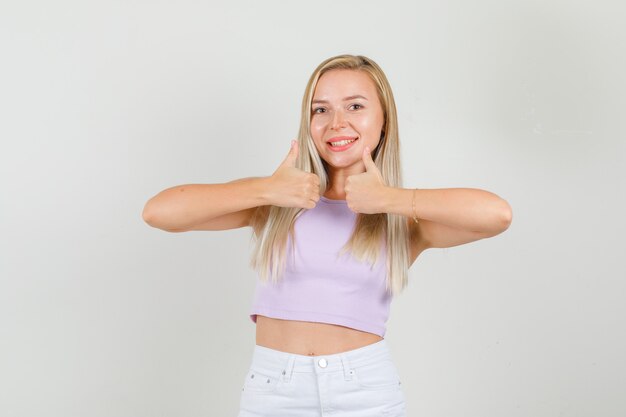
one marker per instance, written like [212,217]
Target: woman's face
[345,106]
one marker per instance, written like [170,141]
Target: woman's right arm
[232,204]
[207,206]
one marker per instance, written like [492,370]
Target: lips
[338,138]
[341,147]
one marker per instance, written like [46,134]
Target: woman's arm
[451,216]
[232,205]
[206,206]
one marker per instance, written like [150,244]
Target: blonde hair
[272,224]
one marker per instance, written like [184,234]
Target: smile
[341,145]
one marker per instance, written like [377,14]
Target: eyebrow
[345,99]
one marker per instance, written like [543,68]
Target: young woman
[335,236]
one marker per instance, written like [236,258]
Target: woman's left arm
[446,216]
[450,216]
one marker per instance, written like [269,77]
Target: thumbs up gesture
[292,187]
[365,192]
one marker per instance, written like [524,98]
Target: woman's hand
[366,192]
[292,187]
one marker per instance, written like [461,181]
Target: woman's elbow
[506,216]
[152,219]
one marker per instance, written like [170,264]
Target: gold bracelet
[413,205]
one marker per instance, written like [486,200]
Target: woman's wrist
[401,201]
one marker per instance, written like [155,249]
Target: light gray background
[104,104]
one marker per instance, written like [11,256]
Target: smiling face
[345,106]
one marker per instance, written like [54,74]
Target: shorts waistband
[277,362]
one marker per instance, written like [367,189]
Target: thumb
[290,159]
[368,161]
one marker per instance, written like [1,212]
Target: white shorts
[362,382]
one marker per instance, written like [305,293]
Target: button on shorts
[362,382]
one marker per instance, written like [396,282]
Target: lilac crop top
[320,287]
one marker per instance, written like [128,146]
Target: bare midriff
[309,338]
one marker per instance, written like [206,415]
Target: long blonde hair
[272,224]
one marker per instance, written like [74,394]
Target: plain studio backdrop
[104,104]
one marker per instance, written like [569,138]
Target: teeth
[342,142]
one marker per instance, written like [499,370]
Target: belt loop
[347,371]
[288,371]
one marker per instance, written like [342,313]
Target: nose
[339,121]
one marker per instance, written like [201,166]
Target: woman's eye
[316,110]
[360,107]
